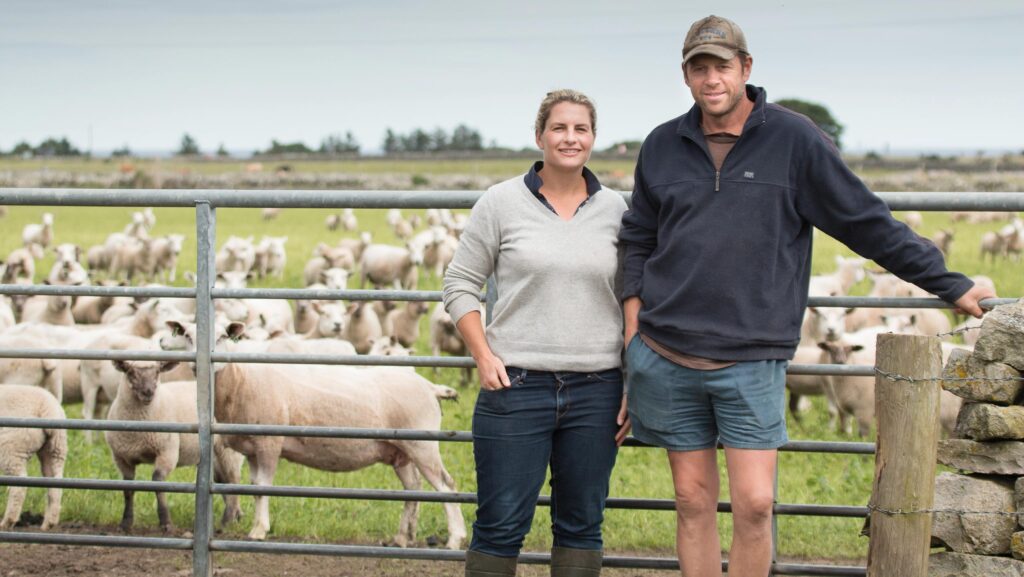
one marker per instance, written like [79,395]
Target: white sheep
[142,397]
[7,318]
[41,373]
[130,257]
[913,219]
[384,264]
[325,257]
[943,239]
[388,347]
[993,245]
[37,237]
[49,309]
[356,245]
[332,321]
[99,376]
[403,229]
[348,220]
[317,395]
[802,386]
[332,222]
[403,323]
[445,337]
[163,256]
[21,266]
[363,326]
[17,445]
[271,257]
[236,254]
[270,213]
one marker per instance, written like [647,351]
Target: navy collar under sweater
[534,182]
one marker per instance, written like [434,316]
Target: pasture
[640,472]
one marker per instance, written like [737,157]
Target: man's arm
[970,302]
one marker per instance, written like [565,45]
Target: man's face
[717,85]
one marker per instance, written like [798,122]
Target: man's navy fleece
[722,261]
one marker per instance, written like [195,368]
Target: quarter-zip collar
[689,125]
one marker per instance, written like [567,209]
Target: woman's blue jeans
[562,419]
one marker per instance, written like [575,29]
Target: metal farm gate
[203,543]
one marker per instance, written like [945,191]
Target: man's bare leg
[751,490]
[695,477]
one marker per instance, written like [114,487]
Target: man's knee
[695,499]
[754,508]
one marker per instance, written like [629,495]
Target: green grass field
[803,478]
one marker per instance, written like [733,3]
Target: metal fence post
[206,235]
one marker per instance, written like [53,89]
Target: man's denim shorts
[681,409]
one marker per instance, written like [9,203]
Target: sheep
[393,216]
[363,326]
[445,337]
[317,395]
[269,213]
[163,256]
[21,266]
[130,257]
[236,254]
[332,222]
[142,397]
[823,324]
[271,257]
[37,237]
[433,217]
[1013,240]
[49,309]
[7,319]
[325,257]
[384,264]
[99,376]
[913,219]
[331,322]
[17,446]
[943,239]
[388,347]
[438,248]
[403,229]
[41,373]
[403,323]
[348,220]
[356,245]
[138,228]
[801,386]
[66,269]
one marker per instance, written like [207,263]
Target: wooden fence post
[907,411]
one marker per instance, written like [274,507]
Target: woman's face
[568,137]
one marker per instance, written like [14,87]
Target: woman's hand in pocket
[493,375]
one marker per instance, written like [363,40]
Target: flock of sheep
[308,395]
[320,395]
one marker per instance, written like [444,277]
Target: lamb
[332,222]
[356,245]
[130,257]
[445,337]
[403,229]
[163,256]
[403,323]
[363,326]
[49,309]
[331,322]
[141,397]
[271,257]
[236,254]
[7,319]
[943,239]
[800,386]
[66,270]
[269,213]
[913,219]
[325,257]
[388,347]
[37,237]
[18,445]
[992,244]
[823,324]
[44,374]
[438,248]
[99,376]
[348,220]
[312,395]
[21,266]
[384,264]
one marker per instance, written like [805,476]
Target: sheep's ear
[276,333]
[856,348]
[263,320]
[850,310]
[46,281]
[913,320]
[316,307]
[190,276]
[823,346]
[352,307]
[168,365]
[235,331]
[121,366]
[176,328]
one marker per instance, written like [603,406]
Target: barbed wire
[959,331]
[896,377]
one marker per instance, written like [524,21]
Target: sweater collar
[689,123]
[534,182]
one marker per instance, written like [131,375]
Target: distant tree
[872,156]
[466,138]
[188,146]
[22,149]
[336,144]
[819,115]
[54,147]
[417,141]
[287,148]
[222,152]
[438,140]
[391,142]
[624,146]
[121,152]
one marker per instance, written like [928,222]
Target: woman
[549,361]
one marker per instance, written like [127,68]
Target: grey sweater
[558,282]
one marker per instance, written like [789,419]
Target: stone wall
[989,453]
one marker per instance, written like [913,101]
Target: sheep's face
[232,280]
[828,322]
[183,338]
[144,377]
[388,347]
[335,278]
[333,321]
[415,253]
[838,352]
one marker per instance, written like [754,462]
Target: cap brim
[712,49]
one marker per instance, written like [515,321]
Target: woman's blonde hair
[564,95]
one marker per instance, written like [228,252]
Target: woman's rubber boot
[483,565]
[567,562]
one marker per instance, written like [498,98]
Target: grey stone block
[992,458]
[961,565]
[975,533]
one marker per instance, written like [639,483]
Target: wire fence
[202,544]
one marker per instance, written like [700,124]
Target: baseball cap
[716,36]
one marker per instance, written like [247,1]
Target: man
[717,266]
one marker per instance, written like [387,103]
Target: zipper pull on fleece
[718,173]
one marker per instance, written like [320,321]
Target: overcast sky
[900,75]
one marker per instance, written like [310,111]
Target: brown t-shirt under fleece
[719,145]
